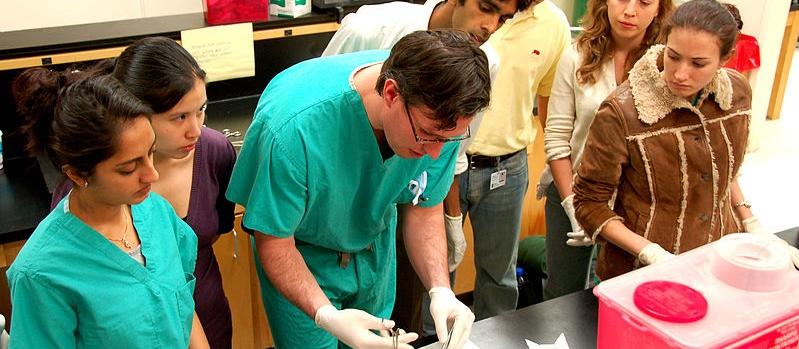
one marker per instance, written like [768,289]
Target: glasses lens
[421,140]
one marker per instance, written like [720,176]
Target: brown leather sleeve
[598,176]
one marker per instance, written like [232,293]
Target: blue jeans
[567,266]
[496,217]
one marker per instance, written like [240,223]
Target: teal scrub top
[311,168]
[72,288]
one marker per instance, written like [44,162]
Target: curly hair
[595,43]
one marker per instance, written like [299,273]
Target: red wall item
[747,54]
[235,11]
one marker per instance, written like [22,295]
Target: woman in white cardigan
[616,33]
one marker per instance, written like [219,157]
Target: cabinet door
[8,252]
[235,257]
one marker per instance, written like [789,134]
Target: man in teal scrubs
[336,144]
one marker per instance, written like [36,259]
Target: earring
[85,184]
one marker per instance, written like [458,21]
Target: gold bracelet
[743,203]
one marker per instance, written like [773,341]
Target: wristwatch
[743,203]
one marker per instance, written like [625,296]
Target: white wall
[31,14]
[765,20]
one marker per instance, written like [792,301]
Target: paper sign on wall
[224,52]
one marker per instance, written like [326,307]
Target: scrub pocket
[185,300]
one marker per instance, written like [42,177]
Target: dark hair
[440,69]
[73,117]
[735,14]
[521,5]
[595,43]
[158,71]
[708,16]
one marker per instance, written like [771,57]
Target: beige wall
[31,14]
[567,6]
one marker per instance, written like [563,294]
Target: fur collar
[654,100]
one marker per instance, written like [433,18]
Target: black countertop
[232,117]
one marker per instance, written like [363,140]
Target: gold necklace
[124,239]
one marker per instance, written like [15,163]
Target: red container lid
[670,301]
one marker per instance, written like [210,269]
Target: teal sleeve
[269,180]
[440,174]
[41,318]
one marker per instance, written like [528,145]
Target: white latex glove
[354,327]
[577,236]
[446,309]
[653,253]
[456,242]
[752,225]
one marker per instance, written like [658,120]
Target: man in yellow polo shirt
[493,186]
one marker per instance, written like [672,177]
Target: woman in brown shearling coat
[669,143]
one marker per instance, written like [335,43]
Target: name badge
[417,187]
[498,179]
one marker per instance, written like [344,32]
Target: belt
[482,161]
[343,257]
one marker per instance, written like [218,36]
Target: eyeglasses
[421,140]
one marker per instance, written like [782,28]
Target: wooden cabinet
[8,252]
[235,256]
[784,65]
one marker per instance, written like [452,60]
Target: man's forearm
[542,111]
[288,273]
[426,243]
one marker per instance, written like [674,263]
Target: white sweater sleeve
[561,108]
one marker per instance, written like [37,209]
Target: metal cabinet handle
[235,244]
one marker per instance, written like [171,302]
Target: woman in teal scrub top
[111,266]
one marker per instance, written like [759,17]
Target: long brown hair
[595,42]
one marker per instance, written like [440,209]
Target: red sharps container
[235,11]
[738,292]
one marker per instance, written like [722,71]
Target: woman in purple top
[194,162]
